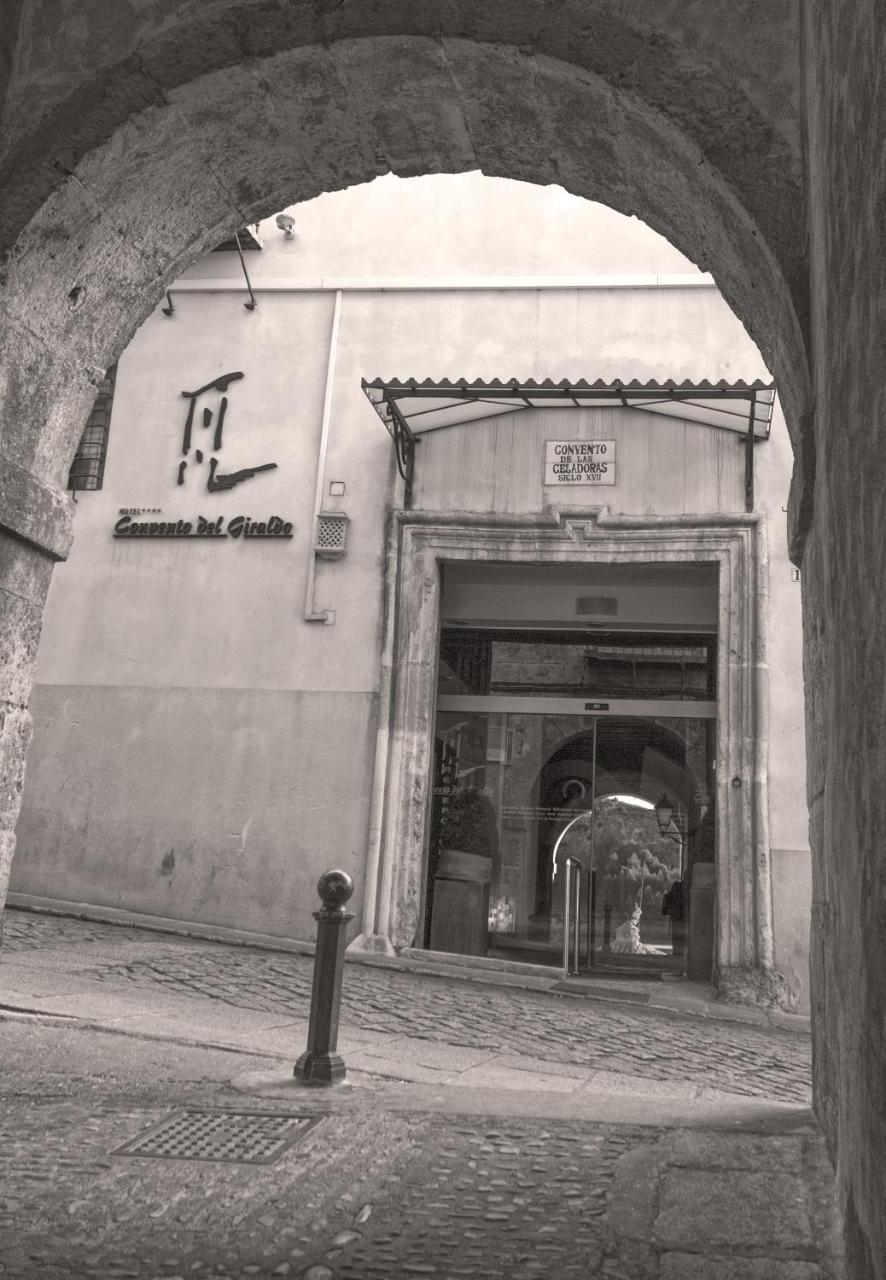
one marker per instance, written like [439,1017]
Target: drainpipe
[326,616]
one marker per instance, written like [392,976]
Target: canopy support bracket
[404,451]
[749,455]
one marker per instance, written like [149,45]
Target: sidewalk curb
[72,1022]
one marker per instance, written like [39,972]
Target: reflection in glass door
[512,788]
[624,787]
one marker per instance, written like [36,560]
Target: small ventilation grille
[332,535]
[602,606]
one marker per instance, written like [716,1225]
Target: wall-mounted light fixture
[667,827]
[664,815]
[286,223]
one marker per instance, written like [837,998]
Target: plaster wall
[214,804]
[454,225]
[788,811]
[282,348]
[660,466]
[219,614]
[617,333]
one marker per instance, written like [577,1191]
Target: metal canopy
[410,409]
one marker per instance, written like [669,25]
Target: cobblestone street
[395,1181]
[363,1195]
[733,1058]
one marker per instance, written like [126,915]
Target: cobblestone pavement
[653,1044]
[369,1194]
[490,1201]
[28,931]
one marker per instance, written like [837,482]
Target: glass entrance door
[524,781]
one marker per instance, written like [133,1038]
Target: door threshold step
[491,964]
[594,989]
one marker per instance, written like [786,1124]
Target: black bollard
[320,1064]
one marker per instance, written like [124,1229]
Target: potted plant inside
[468,844]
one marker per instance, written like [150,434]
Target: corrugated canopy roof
[430,406]
[410,408]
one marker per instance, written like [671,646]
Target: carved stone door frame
[419,542]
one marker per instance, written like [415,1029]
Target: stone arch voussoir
[243,141]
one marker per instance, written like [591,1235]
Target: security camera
[285,223]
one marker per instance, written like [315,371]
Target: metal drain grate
[247,1137]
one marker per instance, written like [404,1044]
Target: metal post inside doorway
[572,865]
[575,871]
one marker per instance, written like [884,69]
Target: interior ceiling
[579,576]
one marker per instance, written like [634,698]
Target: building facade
[530,614]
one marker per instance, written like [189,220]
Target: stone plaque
[579,462]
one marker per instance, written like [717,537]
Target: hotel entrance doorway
[593,752]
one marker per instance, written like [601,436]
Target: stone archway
[123,183]
[128,143]
[213,124]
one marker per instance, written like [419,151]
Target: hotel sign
[199,526]
[579,462]
[132,524]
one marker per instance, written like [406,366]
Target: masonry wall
[844,575]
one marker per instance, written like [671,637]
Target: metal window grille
[88,468]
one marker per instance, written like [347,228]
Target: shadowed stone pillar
[35,531]
[844,582]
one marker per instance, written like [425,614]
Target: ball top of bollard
[334,888]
